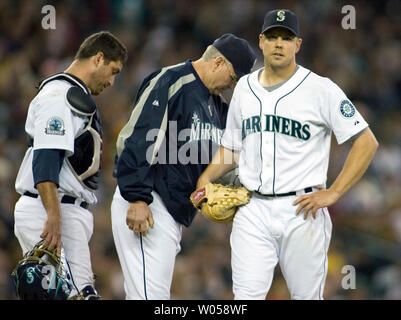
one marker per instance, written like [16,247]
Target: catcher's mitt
[221,202]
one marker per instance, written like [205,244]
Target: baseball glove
[221,202]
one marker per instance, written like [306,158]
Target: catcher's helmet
[41,275]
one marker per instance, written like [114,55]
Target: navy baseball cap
[237,51]
[281,18]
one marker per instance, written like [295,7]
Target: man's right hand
[52,233]
[139,217]
[52,228]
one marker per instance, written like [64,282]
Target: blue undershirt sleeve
[46,165]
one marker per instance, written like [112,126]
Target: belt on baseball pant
[292,193]
[64,199]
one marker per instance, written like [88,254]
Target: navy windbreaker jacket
[173,132]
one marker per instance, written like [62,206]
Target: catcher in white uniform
[278,132]
[59,173]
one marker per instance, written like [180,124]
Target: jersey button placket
[267,151]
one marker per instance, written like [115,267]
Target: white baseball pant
[147,261]
[266,232]
[76,231]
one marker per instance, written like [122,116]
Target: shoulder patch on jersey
[55,126]
[80,102]
[347,109]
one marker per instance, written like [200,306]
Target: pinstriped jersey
[174,129]
[284,135]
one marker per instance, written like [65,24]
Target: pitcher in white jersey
[278,133]
[59,173]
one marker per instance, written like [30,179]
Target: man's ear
[98,58]
[261,39]
[298,45]
[218,62]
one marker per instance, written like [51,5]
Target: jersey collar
[74,80]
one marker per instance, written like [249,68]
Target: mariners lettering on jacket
[188,152]
[55,125]
[274,123]
[204,131]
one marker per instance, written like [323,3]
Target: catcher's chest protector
[85,162]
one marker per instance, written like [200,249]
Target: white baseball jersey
[52,125]
[284,135]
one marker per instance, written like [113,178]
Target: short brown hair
[103,41]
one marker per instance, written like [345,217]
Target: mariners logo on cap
[347,109]
[280,15]
[55,125]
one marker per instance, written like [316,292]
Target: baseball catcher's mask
[41,275]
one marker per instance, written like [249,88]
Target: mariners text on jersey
[273,123]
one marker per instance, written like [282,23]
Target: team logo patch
[55,125]
[347,109]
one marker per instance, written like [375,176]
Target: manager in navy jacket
[174,130]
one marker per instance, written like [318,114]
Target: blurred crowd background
[364,62]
